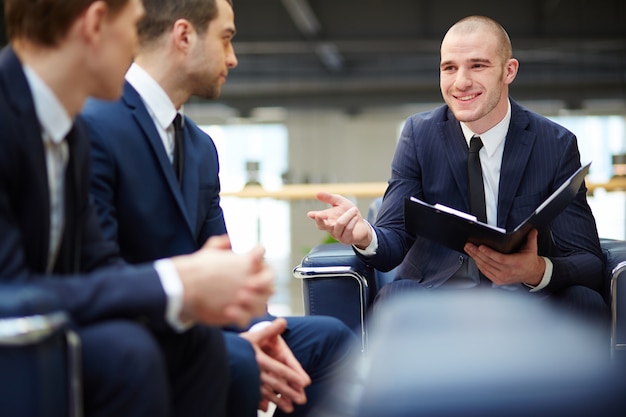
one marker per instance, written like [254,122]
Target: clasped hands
[221,287]
[282,378]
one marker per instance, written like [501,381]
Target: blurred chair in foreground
[39,356]
[451,353]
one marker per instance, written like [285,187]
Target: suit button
[461,259]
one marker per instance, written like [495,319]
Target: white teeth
[465,98]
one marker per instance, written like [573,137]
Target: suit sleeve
[573,245]
[212,220]
[95,291]
[115,291]
[393,240]
[102,182]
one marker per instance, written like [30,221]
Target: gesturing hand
[342,220]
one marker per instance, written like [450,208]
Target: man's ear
[184,34]
[511,70]
[92,21]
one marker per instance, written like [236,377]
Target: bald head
[473,24]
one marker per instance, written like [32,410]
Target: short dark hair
[472,23]
[47,21]
[160,16]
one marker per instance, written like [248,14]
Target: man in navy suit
[524,158]
[142,355]
[185,49]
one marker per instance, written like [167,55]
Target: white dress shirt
[55,124]
[158,103]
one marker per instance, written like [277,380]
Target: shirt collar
[155,98]
[53,118]
[494,137]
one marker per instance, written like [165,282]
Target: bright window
[257,152]
[599,138]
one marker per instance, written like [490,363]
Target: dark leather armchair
[39,356]
[337,283]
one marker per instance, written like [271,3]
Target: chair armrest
[618,309]
[39,355]
[335,282]
[615,254]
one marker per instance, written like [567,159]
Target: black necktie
[477,191]
[476,185]
[178,147]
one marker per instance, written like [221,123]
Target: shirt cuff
[174,291]
[257,327]
[547,276]
[371,248]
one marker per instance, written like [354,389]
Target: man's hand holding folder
[453,228]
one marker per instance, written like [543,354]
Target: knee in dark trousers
[583,302]
[586,305]
[123,371]
[245,381]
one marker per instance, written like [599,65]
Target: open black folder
[453,228]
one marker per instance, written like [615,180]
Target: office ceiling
[353,54]
[356,54]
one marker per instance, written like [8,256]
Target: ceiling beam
[310,27]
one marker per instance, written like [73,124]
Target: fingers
[264,405]
[531,241]
[274,329]
[336,201]
[237,315]
[257,254]
[280,384]
[284,364]
[275,386]
[268,395]
[332,199]
[250,304]
[522,266]
[251,299]
[344,228]
[218,242]
[291,361]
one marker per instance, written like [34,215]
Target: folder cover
[453,228]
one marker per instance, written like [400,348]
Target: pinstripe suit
[430,163]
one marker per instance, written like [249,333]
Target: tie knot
[178,121]
[475,144]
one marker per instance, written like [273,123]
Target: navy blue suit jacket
[91,292]
[135,187]
[430,162]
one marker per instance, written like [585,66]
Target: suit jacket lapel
[456,152]
[21,100]
[517,149]
[146,124]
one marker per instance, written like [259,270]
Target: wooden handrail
[360,190]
